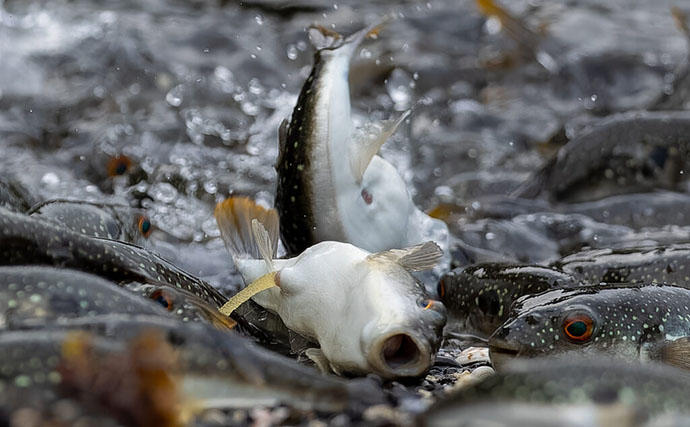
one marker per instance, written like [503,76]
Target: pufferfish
[332,185]
[365,310]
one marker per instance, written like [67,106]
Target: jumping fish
[479,297]
[331,183]
[366,311]
[623,153]
[110,221]
[576,391]
[633,322]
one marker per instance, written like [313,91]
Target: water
[193,92]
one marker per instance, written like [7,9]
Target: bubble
[400,89]
[175,96]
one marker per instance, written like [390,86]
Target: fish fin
[323,38]
[536,183]
[369,141]
[316,355]
[681,20]
[263,242]
[264,282]
[415,258]
[234,217]
[677,353]
[282,141]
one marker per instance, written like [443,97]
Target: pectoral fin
[416,258]
[316,355]
[677,353]
[368,141]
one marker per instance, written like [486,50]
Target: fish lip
[501,352]
[400,354]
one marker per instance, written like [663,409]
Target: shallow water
[194,91]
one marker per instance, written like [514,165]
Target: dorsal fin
[263,242]
[234,217]
[368,141]
[415,258]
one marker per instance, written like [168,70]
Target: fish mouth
[401,355]
[500,353]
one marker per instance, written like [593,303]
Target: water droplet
[175,96]
[259,19]
[399,87]
[292,52]
[50,179]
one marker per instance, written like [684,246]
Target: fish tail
[323,38]
[234,217]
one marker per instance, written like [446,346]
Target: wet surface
[167,107]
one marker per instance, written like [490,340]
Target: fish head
[404,325]
[578,321]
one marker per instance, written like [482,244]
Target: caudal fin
[235,216]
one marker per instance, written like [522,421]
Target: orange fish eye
[163,299]
[441,289]
[118,165]
[578,327]
[144,225]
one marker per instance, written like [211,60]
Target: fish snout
[501,350]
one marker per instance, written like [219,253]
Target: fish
[478,298]
[40,294]
[207,367]
[624,153]
[366,311]
[183,304]
[574,391]
[331,184]
[631,322]
[647,264]
[110,221]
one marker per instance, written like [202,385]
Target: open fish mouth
[501,353]
[402,355]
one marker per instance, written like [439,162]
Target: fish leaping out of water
[365,310]
[332,185]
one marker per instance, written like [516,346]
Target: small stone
[473,355]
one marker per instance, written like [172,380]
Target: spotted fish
[366,311]
[110,221]
[633,322]
[206,366]
[38,294]
[653,264]
[479,297]
[623,153]
[570,392]
[331,184]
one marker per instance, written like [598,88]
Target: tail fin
[323,38]
[234,217]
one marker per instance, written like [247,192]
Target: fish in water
[110,221]
[331,183]
[40,294]
[576,391]
[633,322]
[366,311]
[647,264]
[478,298]
[212,368]
[623,153]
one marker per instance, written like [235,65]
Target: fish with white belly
[331,183]
[366,311]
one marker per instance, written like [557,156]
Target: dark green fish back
[294,193]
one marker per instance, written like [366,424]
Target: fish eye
[144,225]
[578,326]
[367,197]
[163,299]
[426,303]
[118,165]
[441,288]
